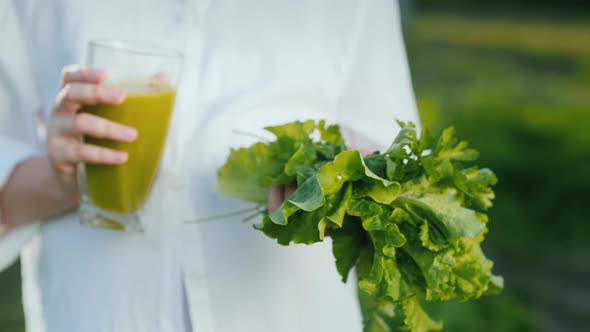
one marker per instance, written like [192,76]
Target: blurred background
[514,78]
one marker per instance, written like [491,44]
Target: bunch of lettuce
[409,220]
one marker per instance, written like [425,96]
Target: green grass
[561,39]
[11,316]
[519,91]
[526,109]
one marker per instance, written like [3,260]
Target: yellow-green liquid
[124,188]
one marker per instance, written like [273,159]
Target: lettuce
[409,221]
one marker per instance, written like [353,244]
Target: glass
[113,195]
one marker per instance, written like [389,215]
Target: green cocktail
[124,188]
[113,195]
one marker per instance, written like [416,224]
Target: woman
[246,66]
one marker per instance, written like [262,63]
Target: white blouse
[248,64]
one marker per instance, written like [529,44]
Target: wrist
[3,224]
[34,192]
[7,221]
[63,187]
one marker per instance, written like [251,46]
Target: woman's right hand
[83,86]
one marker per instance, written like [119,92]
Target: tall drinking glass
[113,195]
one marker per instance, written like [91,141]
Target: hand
[83,86]
[277,195]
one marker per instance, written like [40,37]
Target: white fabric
[17,137]
[248,64]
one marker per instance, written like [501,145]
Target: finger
[76,151]
[365,151]
[95,126]
[276,196]
[160,80]
[289,190]
[79,74]
[75,94]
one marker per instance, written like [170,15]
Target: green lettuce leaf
[242,176]
[348,243]
[410,220]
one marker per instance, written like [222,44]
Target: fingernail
[98,74]
[116,95]
[121,157]
[129,134]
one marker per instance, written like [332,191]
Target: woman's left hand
[277,195]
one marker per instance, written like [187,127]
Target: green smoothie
[124,188]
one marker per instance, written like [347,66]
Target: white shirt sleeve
[378,88]
[17,120]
